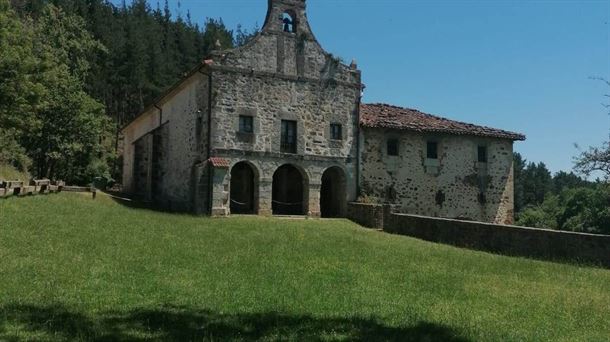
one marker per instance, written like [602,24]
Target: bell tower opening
[289,21]
[287,16]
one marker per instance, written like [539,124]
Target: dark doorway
[332,193]
[242,189]
[288,191]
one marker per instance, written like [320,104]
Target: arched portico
[244,189]
[290,191]
[333,197]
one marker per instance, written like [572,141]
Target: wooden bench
[36,186]
[41,185]
[12,187]
[60,185]
[27,190]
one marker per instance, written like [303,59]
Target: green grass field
[77,269]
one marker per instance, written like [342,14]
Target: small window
[482,154]
[392,147]
[289,137]
[336,132]
[432,150]
[246,124]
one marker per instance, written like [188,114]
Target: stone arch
[290,191]
[244,188]
[289,21]
[333,192]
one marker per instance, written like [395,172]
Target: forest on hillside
[74,71]
[564,201]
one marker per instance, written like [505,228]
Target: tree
[536,182]
[563,180]
[518,168]
[69,67]
[72,124]
[20,92]
[595,159]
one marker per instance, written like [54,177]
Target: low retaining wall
[368,215]
[511,240]
[504,239]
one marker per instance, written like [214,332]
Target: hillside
[77,269]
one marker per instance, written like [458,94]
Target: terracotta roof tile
[387,116]
[219,162]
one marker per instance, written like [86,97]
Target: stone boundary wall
[537,243]
[368,215]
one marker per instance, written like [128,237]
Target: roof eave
[509,135]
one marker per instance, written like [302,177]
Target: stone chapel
[277,127]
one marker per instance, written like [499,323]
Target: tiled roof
[386,116]
[219,162]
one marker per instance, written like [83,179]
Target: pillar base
[220,212]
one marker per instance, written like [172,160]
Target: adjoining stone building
[277,127]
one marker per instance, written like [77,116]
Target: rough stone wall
[367,214]
[142,172]
[179,126]
[505,239]
[186,119]
[269,100]
[288,53]
[453,186]
[284,76]
[140,127]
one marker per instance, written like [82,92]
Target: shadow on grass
[186,324]
[134,203]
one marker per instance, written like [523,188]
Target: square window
[336,132]
[246,124]
[432,150]
[289,137]
[482,154]
[392,147]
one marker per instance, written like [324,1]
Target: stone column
[220,193]
[265,196]
[314,200]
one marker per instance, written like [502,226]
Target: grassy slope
[8,172]
[76,269]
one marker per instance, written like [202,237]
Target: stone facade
[275,127]
[455,185]
[282,75]
[165,143]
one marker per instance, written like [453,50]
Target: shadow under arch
[333,192]
[290,190]
[244,188]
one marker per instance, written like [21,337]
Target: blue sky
[517,65]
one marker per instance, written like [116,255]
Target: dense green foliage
[581,209]
[72,72]
[563,201]
[74,268]
[147,49]
[48,118]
